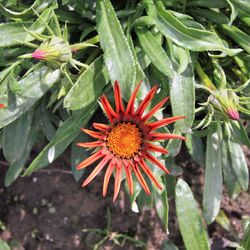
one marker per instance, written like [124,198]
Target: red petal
[108,109]
[149,173]
[140,178]
[118,98]
[101,127]
[118,178]
[164,122]
[129,179]
[163,136]
[154,109]
[146,101]
[94,134]
[130,106]
[156,162]
[107,177]
[97,170]
[155,148]
[96,156]
[92,144]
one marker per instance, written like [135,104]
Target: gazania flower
[127,142]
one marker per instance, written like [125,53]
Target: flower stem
[204,77]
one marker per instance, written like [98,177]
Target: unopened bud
[233,114]
[54,50]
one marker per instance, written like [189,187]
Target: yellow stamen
[124,140]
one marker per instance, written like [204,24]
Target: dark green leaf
[189,218]
[16,168]
[78,154]
[15,137]
[168,245]
[66,133]
[161,204]
[195,148]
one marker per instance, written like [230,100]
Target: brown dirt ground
[49,210]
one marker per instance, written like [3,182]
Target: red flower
[2,105]
[127,141]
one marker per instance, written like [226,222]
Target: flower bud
[54,50]
[225,101]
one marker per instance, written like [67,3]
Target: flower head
[127,142]
[2,105]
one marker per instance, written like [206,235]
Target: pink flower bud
[233,114]
[38,54]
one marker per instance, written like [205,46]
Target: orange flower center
[124,140]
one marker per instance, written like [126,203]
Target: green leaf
[32,88]
[46,125]
[66,133]
[234,11]
[38,5]
[88,87]
[195,148]
[16,168]
[161,204]
[213,178]
[208,4]
[78,154]
[191,38]
[239,164]
[182,97]
[239,36]
[168,245]
[155,52]
[240,133]
[230,180]
[190,222]
[174,145]
[245,242]
[223,220]
[4,245]
[117,54]
[11,33]
[14,33]
[15,137]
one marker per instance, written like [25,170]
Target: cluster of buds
[223,103]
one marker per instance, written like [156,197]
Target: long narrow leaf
[189,218]
[117,54]
[213,178]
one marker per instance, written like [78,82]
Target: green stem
[204,77]
[93,40]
